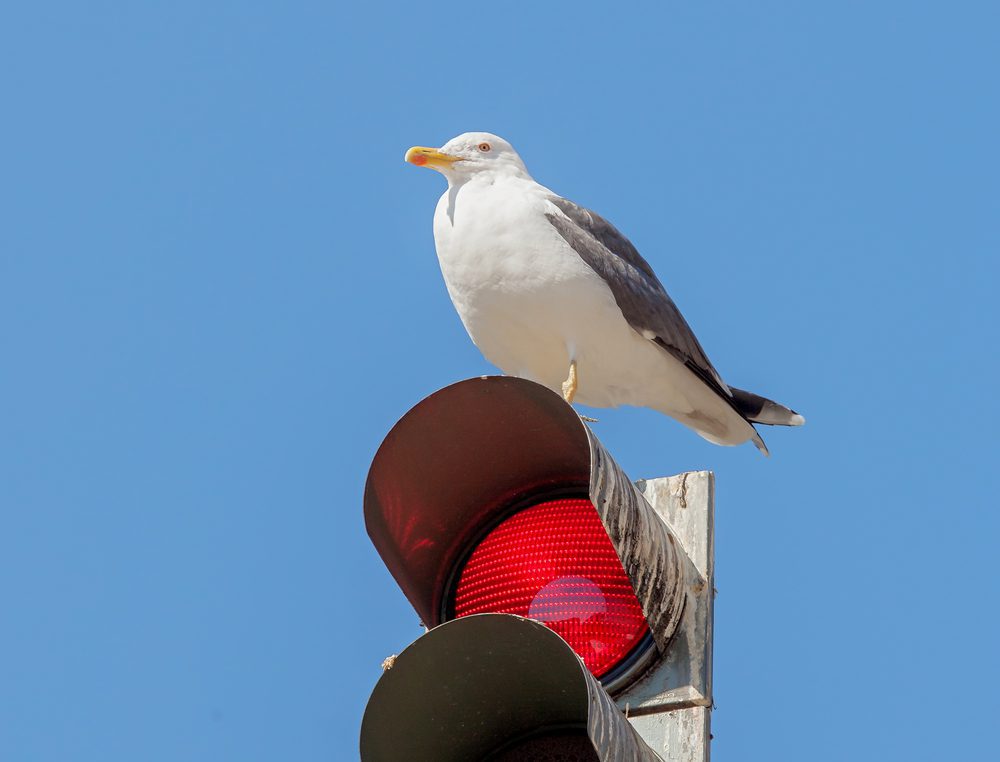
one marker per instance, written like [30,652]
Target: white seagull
[552,292]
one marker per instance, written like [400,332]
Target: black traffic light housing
[494,687]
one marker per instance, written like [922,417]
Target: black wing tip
[759,409]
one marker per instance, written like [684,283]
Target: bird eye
[484,147]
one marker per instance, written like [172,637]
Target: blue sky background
[218,291]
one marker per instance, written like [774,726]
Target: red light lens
[553,562]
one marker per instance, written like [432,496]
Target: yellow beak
[429,157]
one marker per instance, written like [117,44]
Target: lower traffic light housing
[494,687]
[479,455]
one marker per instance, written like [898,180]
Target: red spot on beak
[419,160]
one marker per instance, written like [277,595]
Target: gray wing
[641,297]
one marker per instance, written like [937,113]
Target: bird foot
[588,419]
[388,662]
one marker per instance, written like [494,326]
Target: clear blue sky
[218,290]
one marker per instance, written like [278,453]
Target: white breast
[529,302]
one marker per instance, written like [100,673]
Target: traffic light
[491,496]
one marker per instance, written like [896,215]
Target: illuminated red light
[553,562]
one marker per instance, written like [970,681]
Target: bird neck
[457,180]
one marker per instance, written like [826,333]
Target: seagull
[552,292]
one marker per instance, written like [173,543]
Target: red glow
[554,563]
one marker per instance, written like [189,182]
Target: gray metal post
[671,706]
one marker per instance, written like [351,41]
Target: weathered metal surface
[678,736]
[684,676]
[650,554]
[613,736]
[671,704]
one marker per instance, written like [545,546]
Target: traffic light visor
[455,464]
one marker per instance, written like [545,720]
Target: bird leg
[569,385]
[569,389]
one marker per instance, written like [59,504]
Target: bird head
[470,154]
